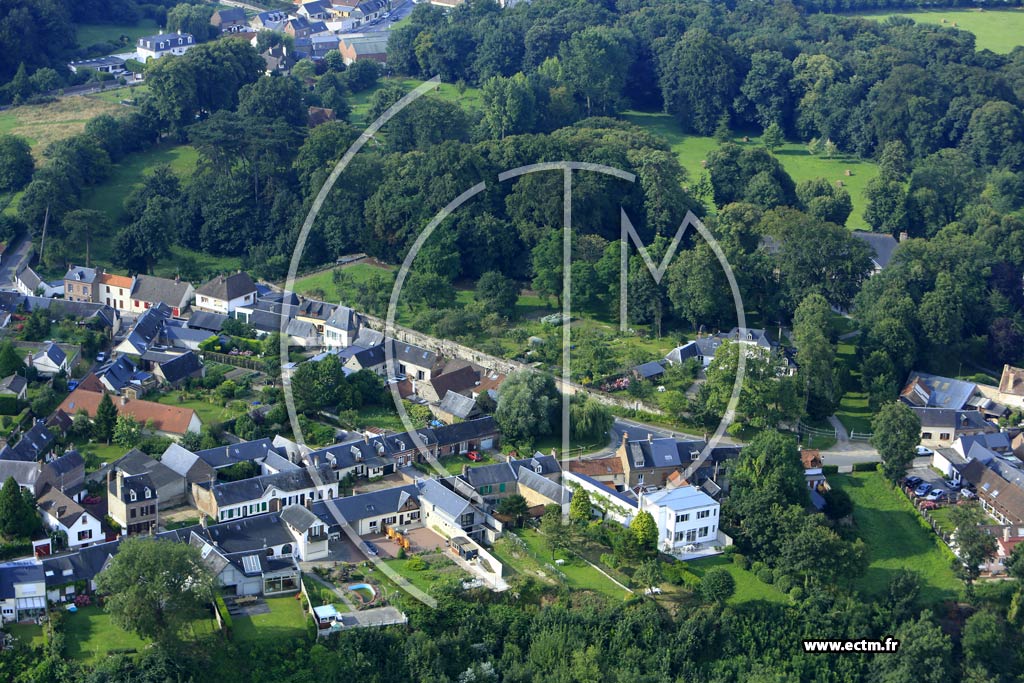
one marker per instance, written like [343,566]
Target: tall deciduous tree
[896,431]
[154,587]
[18,517]
[527,405]
[595,63]
[16,163]
[645,531]
[580,509]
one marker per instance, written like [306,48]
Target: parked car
[953,485]
[474,456]
[936,495]
[968,494]
[370,548]
[101,357]
[922,489]
[922,450]
[912,482]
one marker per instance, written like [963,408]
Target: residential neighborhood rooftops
[1012,381]
[136,462]
[205,320]
[933,391]
[225,456]
[232,492]
[598,467]
[457,405]
[882,246]
[164,418]
[228,287]
[153,289]
[80,274]
[679,498]
[943,417]
[55,503]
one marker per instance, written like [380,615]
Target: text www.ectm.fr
[887,644]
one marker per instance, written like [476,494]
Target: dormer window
[148,493]
[132,497]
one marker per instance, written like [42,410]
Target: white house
[308,530]
[163,44]
[687,520]
[61,513]
[50,361]
[30,284]
[22,591]
[341,328]
[225,501]
[223,294]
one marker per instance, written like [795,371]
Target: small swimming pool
[366,592]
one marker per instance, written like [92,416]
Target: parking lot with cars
[925,485]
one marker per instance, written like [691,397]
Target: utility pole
[42,241]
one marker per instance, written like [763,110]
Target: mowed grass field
[469,98]
[895,538]
[996,30]
[91,34]
[799,163]
[748,587]
[43,124]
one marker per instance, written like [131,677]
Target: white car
[922,450]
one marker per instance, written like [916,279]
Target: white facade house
[61,513]
[223,294]
[687,520]
[163,44]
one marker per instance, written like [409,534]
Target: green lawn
[286,620]
[323,281]
[438,568]
[90,34]
[43,124]
[890,527]
[89,633]
[748,586]
[96,454]
[29,634]
[944,518]
[999,31]
[127,175]
[209,413]
[578,574]
[469,98]
[798,162]
[853,409]
[114,95]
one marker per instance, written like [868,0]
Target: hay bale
[703,163]
[848,173]
[746,138]
[840,183]
[954,24]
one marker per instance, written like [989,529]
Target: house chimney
[1007,533]
[366,438]
[650,437]
[625,438]
[124,400]
[202,520]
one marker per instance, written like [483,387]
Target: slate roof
[67,463]
[32,446]
[311,308]
[279,463]
[545,487]
[298,517]
[458,381]
[19,572]
[650,369]
[506,472]
[148,326]
[996,441]
[180,367]
[185,463]
[25,472]
[942,392]
[229,287]
[59,506]
[204,320]
[233,492]
[51,351]
[881,244]
[996,490]
[118,372]
[606,491]
[960,419]
[343,318]
[154,289]
[225,456]
[439,495]
[228,15]
[247,534]
[466,431]
[80,274]
[14,384]
[181,337]
[415,355]
[363,505]
[750,335]
[457,405]
[137,483]
[136,462]
[301,328]
[705,346]
[654,453]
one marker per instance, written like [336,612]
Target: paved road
[851,454]
[12,258]
[398,12]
